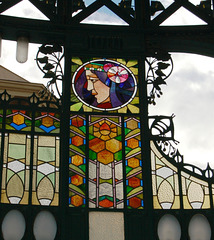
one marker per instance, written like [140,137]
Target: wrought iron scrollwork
[48,59]
[162,127]
[162,133]
[160,67]
[169,148]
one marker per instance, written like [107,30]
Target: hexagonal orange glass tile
[77,180]
[113,145]
[134,182]
[77,160]
[47,121]
[76,200]
[105,157]
[96,145]
[77,141]
[135,202]
[133,162]
[18,119]
[132,124]
[77,122]
[132,143]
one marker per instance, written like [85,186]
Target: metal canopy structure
[69,147]
[63,26]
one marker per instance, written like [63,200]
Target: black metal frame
[140,39]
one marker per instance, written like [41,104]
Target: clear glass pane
[169,228]
[45,226]
[199,228]
[106,226]
[25,9]
[13,225]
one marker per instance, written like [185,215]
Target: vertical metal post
[142,13]
[145,133]
[64,161]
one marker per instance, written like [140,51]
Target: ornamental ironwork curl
[162,133]
[160,67]
[48,59]
[169,148]
[162,126]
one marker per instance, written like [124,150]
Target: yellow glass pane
[76,106]
[135,100]
[133,108]
[176,204]
[134,70]
[120,60]
[156,203]
[131,63]
[123,110]
[206,203]
[87,109]
[186,203]
[77,60]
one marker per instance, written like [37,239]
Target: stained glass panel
[134,182]
[20,120]
[77,161]
[164,182]
[45,184]
[47,122]
[105,162]
[195,192]
[104,85]
[16,164]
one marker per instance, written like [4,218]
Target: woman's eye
[93,80]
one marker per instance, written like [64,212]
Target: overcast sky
[189,93]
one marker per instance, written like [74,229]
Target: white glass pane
[45,226]
[169,228]
[106,226]
[199,228]
[13,225]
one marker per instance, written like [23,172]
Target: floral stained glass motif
[19,120]
[16,167]
[45,183]
[105,162]
[104,85]
[134,182]
[164,182]
[195,192]
[77,161]
[47,122]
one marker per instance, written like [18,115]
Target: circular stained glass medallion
[104,84]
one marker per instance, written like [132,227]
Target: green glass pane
[118,156]
[16,151]
[128,189]
[128,169]
[46,154]
[83,167]
[92,155]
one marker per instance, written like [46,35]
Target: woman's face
[98,88]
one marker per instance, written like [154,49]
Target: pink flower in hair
[117,74]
